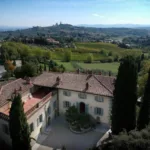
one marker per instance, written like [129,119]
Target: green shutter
[77,105]
[64,104]
[86,108]
[102,112]
[95,111]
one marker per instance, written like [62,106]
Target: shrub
[110,53]
[67,56]
[134,140]
[28,69]
[90,58]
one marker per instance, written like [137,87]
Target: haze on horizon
[48,12]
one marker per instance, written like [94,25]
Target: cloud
[97,15]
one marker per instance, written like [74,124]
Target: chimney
[109,73]
[58,80]
[28,80]
[78,71]
[87,85]
[20,88]
[15,91]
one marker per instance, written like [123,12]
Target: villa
[50,94]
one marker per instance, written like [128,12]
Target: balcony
[34,103]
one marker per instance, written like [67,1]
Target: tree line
[129,129]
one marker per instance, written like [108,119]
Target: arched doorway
[82,107]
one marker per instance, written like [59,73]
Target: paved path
[60,136]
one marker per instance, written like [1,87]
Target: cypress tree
[125,97]
[40,69]
[45,67]
[18,126]
[144,114]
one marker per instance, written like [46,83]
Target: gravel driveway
[60,135]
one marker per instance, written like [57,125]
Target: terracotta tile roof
[8,89]
[31,102]
[98,84]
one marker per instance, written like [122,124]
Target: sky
[48,12]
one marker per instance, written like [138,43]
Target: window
[66,104]
[67,93]
[37,122]
[5,128]
[41,118]
[82,95]
[98,111]
[49,110]
[54,105]
[31,127]
[99,98]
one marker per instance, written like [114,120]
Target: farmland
[100,51]
[113,67]
[105,56]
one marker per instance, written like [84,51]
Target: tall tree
[67,56]
[144,114]
[19,130]
[125,97]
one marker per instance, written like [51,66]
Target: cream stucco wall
[90,101]
[43,110]
[33,119]
[73,99]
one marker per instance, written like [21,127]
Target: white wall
[90,100]
[33,119]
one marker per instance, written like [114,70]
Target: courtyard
[59,135]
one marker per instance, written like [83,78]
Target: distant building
[50,94]
[51,40]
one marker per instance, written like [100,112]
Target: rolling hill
[76,33]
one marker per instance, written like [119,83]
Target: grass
[100,46]
[82,50]
[67,65]
[102,66]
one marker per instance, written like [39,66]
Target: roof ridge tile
[102,84]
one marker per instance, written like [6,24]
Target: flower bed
[78,122]
[79,131]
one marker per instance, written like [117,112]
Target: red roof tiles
[8,89]
[98,84]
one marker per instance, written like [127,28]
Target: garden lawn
[67,65]
[102,66]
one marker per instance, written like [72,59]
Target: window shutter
[42,117]
[95,111]
[49,110]
[86,108]
[69,104]
[102,112]
[69,93]
[102,99]
[64,104]
[77,105]
[33,126]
